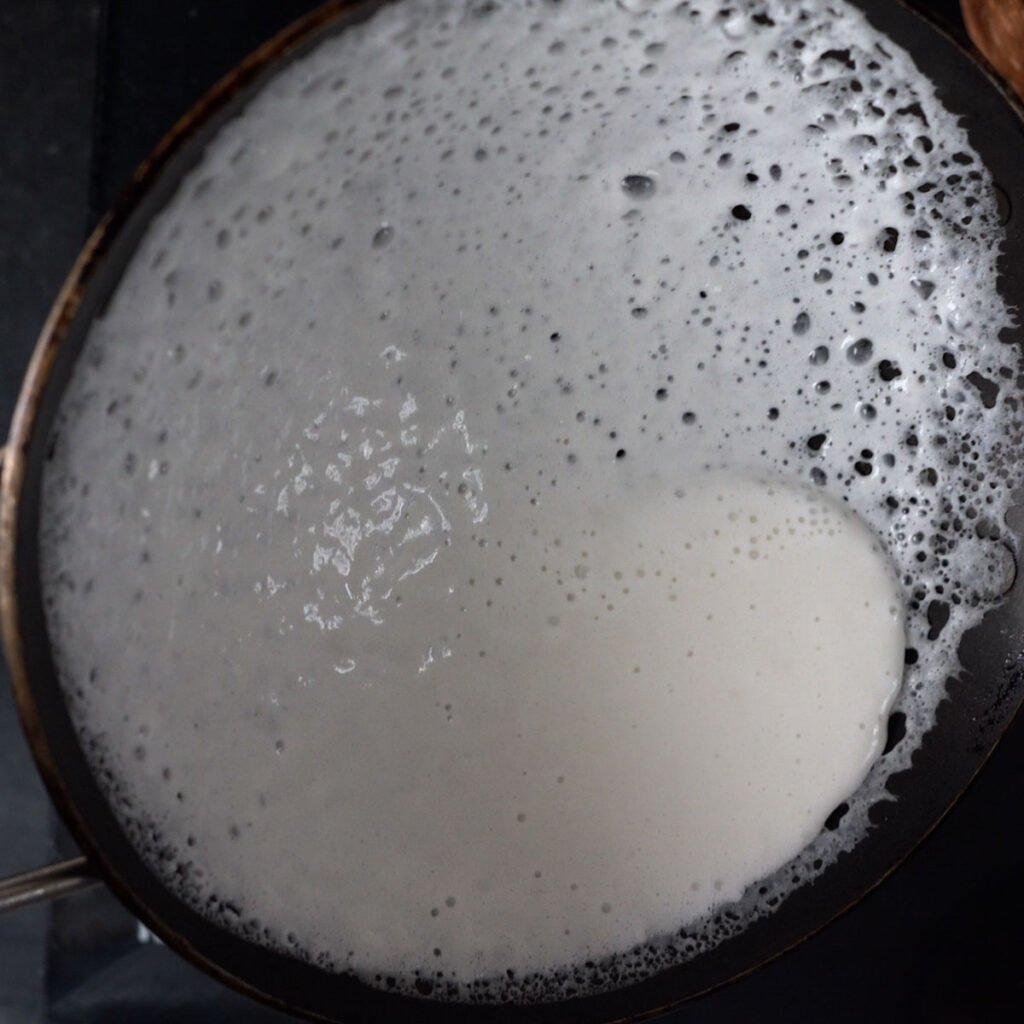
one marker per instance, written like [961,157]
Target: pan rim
[261,64]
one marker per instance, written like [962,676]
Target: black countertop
[86,89]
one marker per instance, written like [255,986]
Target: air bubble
[833,821]
[889,239]
[888,370]
[1004,208]
[860,351]
[639,186]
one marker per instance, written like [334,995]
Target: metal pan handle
[47,883]
[50,882]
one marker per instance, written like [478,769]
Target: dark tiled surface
[47,60]
[157,60]
[86,88]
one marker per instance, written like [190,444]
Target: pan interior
[924,343]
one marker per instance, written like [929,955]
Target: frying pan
[983,698]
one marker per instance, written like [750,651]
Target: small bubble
[1004,208]
[639,186]
[384,235]
[818,356]
[802,323]
[860,351]
[888,371]
[741,212]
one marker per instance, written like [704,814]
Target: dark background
[86,89]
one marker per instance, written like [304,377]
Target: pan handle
[47,883]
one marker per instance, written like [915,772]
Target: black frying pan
[982,701]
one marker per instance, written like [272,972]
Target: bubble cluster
[453,286]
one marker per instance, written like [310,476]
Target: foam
[472,265]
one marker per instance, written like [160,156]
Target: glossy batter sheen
[484,531]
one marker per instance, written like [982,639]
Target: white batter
[479,531]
